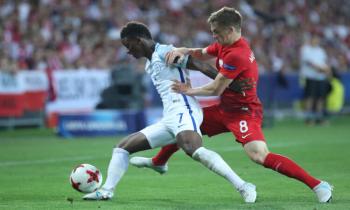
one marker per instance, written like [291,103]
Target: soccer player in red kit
[240,113]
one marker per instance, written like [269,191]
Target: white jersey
[315,55]
[162,77]
[181,112]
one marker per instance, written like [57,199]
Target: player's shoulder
[239,52]
[214,45]
[233,55]
[162,50]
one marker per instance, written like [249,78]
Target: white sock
[116,168]
[214,162]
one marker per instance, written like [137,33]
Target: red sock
[164,154]
[289,168]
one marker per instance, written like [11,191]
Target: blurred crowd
[74,34]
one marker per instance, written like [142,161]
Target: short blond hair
[227,17]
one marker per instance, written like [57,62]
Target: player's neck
[151,46]
[234,38]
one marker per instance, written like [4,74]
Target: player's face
[134,46]
[220,34]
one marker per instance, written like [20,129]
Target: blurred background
[62,64]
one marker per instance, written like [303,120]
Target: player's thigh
[245,127]
[185,124]
[212,122]
[182,119]
[158,135]
[134,143]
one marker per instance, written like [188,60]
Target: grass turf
[35,166]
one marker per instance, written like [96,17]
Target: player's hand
[173,57]
[180,87]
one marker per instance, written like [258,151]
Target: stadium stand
[56,36]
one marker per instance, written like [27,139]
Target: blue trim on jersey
[186,100]
[229,67]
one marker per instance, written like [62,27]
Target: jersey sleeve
[232,65]
[213,49]
[163,50]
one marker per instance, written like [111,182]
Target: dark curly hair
[135,29]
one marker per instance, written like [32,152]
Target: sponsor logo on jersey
[245,136]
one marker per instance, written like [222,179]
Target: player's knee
[189,141]
[134,143]
[257,151]
[189,148]
[123,144]
[257,156]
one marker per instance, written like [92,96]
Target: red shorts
[245,126]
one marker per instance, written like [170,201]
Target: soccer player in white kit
[182,117]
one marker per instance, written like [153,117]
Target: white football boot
[248,192]
[323,192]
[142,162]
[99,195]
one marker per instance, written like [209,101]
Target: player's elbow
[217,92]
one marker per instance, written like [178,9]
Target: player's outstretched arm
[214,88]
[205,68]
[236,85]
[178,55]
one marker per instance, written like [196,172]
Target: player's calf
[215,163]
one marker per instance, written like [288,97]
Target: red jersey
[237,61]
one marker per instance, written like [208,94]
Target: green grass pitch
[35,166]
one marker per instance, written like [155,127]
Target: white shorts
[164,132]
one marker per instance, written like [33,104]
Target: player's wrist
[184,50]
[196,52]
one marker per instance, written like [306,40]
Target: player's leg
[320,104]
[211,125]
[155,134]
[120,158]
[247,130]
[119,164]
[259,153]
[191,143]
[309,100]
[157,163]
[164,154]
[152,136]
